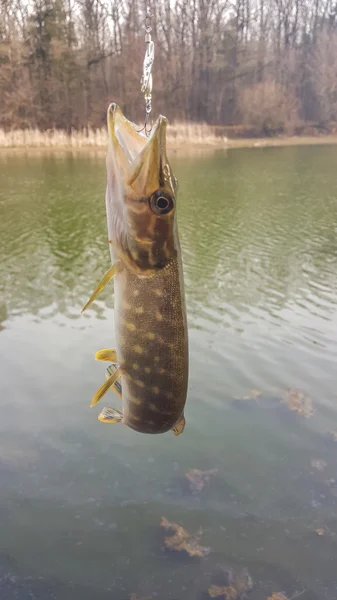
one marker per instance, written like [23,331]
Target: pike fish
[150,361]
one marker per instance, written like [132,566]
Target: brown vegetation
[197,478]
[237,586]
[253,395]
[268,65]
[298,402]
[177,135]
[182,540]
[196,138]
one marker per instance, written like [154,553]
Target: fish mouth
[142,160]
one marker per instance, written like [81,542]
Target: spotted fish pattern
[151,334]
[149,302]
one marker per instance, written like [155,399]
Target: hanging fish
[150,362]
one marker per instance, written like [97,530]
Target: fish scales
[151,343]
[151,355]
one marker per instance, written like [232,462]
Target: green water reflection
[80,503]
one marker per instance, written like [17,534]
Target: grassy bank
[179,136]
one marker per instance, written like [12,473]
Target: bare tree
[264,63]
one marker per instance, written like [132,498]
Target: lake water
[80,502]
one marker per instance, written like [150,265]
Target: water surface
[80,502]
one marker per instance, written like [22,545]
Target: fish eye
[161,203]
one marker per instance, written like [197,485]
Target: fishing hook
[146,80]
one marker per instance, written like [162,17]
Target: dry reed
[177,134]
[181,136]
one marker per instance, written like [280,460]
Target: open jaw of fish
[150,362]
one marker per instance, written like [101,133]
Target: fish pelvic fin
[110,274]
[104,388]
[179,426]
[110,415]
[106,354]
[117,386]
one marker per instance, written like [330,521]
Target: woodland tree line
[267,64]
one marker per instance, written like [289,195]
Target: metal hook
[145,128]
[146,80]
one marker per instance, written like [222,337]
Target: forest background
[246,67]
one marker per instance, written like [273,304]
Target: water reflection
[258,233]
[257,227]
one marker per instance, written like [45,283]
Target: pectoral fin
[180,426]
[106,354]
[107,277]
[110,415]
[104,388]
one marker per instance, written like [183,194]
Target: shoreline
[200,144]
[298,140]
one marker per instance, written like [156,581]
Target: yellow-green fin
[106,278]
[117,386]
[104,388]
[110,415]
[106,354]
[180,426]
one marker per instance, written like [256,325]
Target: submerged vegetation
[295,400]
[182,540]
[252,395]
[298,402]
[318,464]
[197,478]
[237,586]
[333,435]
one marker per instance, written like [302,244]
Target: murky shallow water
[80,503]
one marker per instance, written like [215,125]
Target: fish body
[149,312]
[151,344]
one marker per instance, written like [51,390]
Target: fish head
[141,194]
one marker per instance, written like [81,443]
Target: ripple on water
[258,236]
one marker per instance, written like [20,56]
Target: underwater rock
[182,540]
